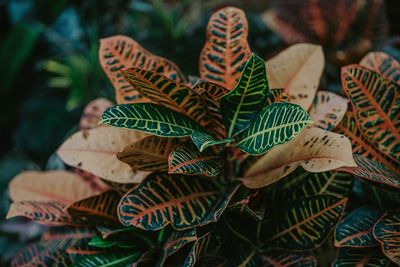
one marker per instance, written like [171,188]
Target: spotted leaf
[226,50]
[241,105]
[355,230]
[119,52]
[186,159]
[383,64]
[376,103]
[276,124]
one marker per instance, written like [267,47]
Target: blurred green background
[49,68]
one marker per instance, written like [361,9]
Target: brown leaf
[383,64]
[92,113]
[314,149]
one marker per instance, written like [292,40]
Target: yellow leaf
[298,70]
[314,149]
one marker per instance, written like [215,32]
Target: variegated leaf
[150,118]
[202,245]
[355,230]
[298,70]
[383,64]
[186,159]
[214,90]
[159,200]
[276,95]
[108,259]
[168,93]
[241,105]
[119,52]
[282,259]
[82,248]
[328,109]
[374,171]
[376,103]
[148,154]
[226,50]
[177,241]
[92,113]
[203,140]
[97,210]
[316,150]
[64,232]
[348,127]
[304,224]
[368,257]
[216,128]
[276,124]
[387,232]
[85,149]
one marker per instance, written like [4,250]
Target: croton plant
[247,165]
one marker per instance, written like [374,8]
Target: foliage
[228,170]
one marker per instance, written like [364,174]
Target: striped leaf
[176,242]
[348,127]
[376,105]
[148,154]
[168,93]
[82,248]
[65,232]
[387,232]
[374,171]
[297,70]
[151,119]
[241,105]
[276,124]
[288,260]
[369,257]
[214,90]
[119,52]
[201,247]
[304,224]
[203,140]
[226,50]
[163,199]
[215,127]
[328,109]
[315,150]
[383,64]
[355,230]
[97,210]
[276,95]
[108,259]
[186,159]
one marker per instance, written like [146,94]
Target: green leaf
[305,223]
[150,118]
[242,104]
[177,241]
[276,95]
[276,124]
[204,244]
[107,260]
[203,140]
[186,159]
[369,257]
[356,229]
[97,241]
[163,199]
[387,232]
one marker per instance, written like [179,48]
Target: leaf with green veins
[150,118]
[276,124]
[109,259]
[203,140]
[242,104]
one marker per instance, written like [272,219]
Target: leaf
[151,119]
[361,257]
[214,90]
[148,154]
[375,102]
[118,52]
[204,244]
[42,212]
[276,95]
[92,113]
[226,49]
[177,241]
[203,140]
[288,260]
[276,124]
[241,105]
[382,64]
[305,223]
[374,171]
[215,127]
[163,199]
[186,159]
[97,210]
[387,233]
[59,186]
[85,149]
[168,93]
[348,127]
[66,232]
[298,70]
[109,259]
[82,248]
[314,149]
[328,109]
[355,230]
